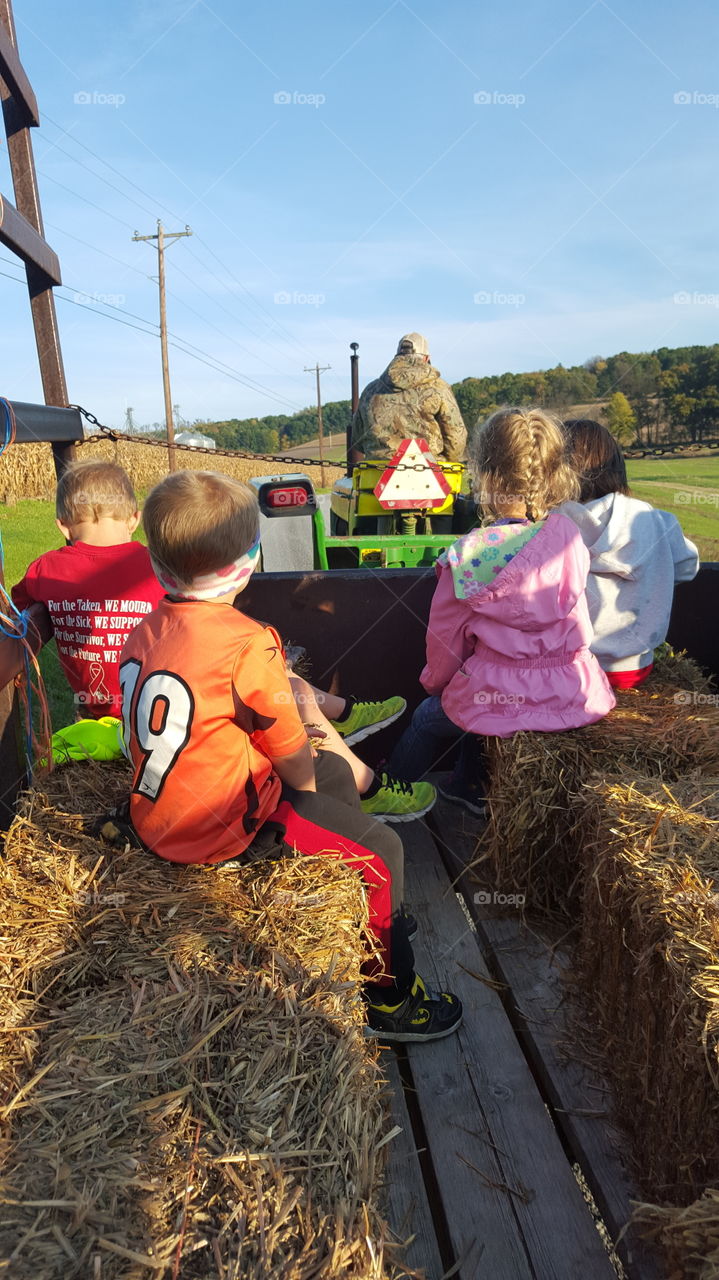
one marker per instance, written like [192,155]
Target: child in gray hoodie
[637,554]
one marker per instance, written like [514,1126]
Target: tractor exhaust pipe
[354,379]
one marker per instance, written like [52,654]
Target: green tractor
[380,515]
[394,495]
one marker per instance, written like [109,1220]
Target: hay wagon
[514,1149]
[185,1090]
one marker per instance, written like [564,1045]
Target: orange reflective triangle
[419,483]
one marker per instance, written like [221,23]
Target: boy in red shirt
[97,588]
[222,764]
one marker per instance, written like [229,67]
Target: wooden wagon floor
[503,1143]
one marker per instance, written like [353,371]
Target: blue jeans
[428,740]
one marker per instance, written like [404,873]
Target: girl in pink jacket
[509,630]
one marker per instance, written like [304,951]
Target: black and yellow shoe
[422,1015]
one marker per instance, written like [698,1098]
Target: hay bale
[689,1236]
[665,728]
[186,1086]
[647,958]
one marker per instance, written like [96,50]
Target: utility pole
[129,421]
[317,370]
[162,236]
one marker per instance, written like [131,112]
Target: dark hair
[596,457]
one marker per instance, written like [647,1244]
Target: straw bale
[665,728]
[186,1089]
[647,958]
[689,1236]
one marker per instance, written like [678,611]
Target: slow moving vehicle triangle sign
[418,483]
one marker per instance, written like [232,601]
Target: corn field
[27,470]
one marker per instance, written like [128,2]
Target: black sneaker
[422,1015]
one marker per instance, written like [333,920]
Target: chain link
[631,451]
[111,434]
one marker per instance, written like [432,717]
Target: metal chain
[632,451]
[111,434]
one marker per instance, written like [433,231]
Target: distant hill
[673,391]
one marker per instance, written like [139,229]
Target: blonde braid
[535,486]
[517,455]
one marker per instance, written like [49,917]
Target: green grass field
[687,487]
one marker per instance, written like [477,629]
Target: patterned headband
[208,586]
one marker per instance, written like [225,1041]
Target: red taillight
[295,497]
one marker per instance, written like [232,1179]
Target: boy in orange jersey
[222,764]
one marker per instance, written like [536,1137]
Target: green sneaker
[397,801]
[368,717]
[423,1015]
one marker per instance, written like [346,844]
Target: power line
[227,312]
[76,195]
[95,249]
[107,164]
[273,319]
[195,353]
[100,176]
[127,226]
[145,276]
[275,323]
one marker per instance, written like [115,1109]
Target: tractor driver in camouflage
[409,399]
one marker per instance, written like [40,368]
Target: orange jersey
[206,706]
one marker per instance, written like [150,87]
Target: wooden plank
[13,73]
[17,234]
[409,1213]
[531,967]
[581,1099]
[511,1200]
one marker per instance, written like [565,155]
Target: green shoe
[88,740]
[397,801]
[368,717]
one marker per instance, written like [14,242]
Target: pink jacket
[515,653]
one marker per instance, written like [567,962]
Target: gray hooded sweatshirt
[637,553]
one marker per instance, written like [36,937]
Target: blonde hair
[199,521]
[93,491]
[518,455]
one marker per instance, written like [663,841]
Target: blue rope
[9,425]
[14,625]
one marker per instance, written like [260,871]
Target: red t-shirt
[95,597]
[207,706]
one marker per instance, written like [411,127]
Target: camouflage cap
[413,344]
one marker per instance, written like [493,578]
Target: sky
[525,183]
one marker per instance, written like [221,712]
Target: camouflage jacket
[409,399]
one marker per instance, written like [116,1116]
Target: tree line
[647,396]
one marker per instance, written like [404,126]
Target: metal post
[354,382]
